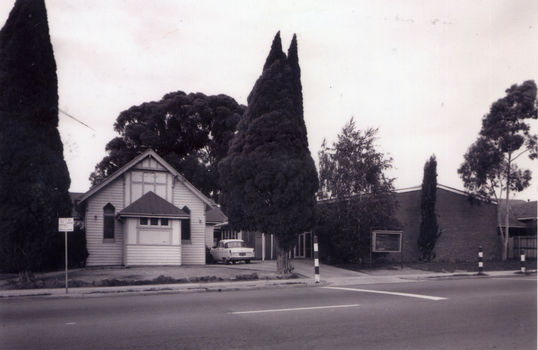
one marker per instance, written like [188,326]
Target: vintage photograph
[180,174]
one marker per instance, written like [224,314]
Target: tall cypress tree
[269,179]
[34,179]
[429,229]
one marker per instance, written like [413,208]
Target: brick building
[465,227]
[522,221]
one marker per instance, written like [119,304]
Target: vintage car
[231,250]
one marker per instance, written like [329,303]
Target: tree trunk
[283,263]
[507,227]
[504,239]
[502,230]
[505,249]
[506,236]
[500,227]
[26,276]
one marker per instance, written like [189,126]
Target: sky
[423,72]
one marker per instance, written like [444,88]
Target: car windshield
[237,244]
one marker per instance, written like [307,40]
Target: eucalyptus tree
[190,131]
[490,171]
[356,196]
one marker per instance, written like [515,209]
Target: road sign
[387,241]
[66,224]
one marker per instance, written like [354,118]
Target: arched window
[186,226]
[108,221]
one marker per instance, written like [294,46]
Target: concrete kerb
[92,292]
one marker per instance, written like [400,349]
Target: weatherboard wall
[140,255]
[147,245]
[193,250]
[102,251]
[209,234]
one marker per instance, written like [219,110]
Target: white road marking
[390,293]
[292,309]
[71,323]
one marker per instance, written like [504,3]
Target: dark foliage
[269,179]
[345,226]
[34,179]
[191,132]
[505,124]
[28,71]
[77,253]
[356,196]
[429,229]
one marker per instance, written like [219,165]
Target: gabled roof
[439,186]
[151,205]
[397,191]
[521,213]
[215,216]
[525,210]
[149,153]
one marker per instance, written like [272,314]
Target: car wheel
[247,261]
[233,262]
[227,261]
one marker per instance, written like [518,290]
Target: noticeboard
[387,241]
[66,224]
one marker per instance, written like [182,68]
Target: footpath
[220,278]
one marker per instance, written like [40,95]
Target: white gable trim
[443,187]
[408,189]
[132,163]
[419,188]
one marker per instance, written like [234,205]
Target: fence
[528,244]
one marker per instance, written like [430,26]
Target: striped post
[523,267]
[480,261]
[316,260]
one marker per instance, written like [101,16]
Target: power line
[70,116]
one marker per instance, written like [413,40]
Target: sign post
[387,242]
[66,225]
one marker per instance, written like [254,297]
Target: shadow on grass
[440,266]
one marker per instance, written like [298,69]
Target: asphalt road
[469,313]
